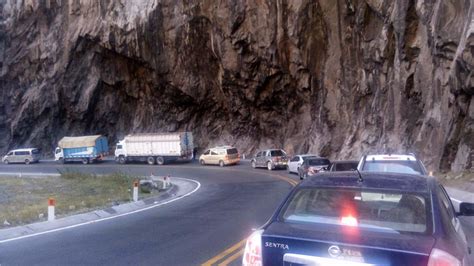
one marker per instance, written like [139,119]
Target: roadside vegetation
[461,180]
[24,200]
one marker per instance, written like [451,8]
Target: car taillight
[349,220]
[253,250]
[312,170]
[442,258]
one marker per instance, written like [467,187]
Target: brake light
[312,170]
[253,250]
[349,220]
[442,258]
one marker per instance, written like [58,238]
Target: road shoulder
[181,187]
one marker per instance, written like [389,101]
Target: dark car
[312,166]
[341,218]
[338,166]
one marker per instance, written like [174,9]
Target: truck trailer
[154,148]
[86,149]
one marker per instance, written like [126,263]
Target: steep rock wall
[335,77]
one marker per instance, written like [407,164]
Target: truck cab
[58,154]
[120,152]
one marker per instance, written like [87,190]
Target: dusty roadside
[24,200]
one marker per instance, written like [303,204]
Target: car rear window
[406,167]
[401,212]
[346,166]
[277,153]
[232,151]
[318,162]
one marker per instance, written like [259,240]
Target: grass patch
[24,200]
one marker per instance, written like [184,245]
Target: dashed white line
[107,218]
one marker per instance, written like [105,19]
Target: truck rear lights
[349,220]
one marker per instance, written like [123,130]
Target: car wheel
[122,160]
[27,161]
[300,175]
[150,160]
[288,169]
[85,160]
[6,162]
[160,160]
[254,165]
[221,163]
[270,166]
[202,162]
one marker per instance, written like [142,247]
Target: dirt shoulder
[462,181]
[24,200]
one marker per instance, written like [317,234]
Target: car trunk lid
[303,244]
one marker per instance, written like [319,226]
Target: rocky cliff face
[335,77]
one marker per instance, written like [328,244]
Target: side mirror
[466,209]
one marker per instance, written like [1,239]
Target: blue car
[368,218]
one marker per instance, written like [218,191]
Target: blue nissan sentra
[368,218]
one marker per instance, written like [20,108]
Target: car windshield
[401,212]
[318,162]
[232,151]
[405,167]
[277,153]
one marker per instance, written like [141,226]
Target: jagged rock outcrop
[335,77]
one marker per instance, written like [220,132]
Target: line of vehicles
[381,210]
[152,148]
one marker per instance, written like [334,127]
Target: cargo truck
[154,148]
[86,149]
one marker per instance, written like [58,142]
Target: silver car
[271,159]
[27,156]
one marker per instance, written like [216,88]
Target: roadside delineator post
[51,205]
[135,190]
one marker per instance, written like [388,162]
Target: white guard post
[135,190]
[51,204]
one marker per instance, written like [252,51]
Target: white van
[27,156]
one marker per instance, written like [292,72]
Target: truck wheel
[27,161]
[202,162]
[85,160]
[254,164]
[122,160]
[160,160]
[150,160]
[270,166]
[221,163]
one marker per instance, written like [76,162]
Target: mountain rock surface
[335,77]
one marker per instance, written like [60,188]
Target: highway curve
[207,227]
[190,231]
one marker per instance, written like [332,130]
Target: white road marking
[107,218]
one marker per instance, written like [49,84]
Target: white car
[296,161]
[395,163]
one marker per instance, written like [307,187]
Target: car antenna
[360,180]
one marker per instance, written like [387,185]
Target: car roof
[345,161]
[24,149]
[307,155]
[223,147]
[390,157]
[371,180]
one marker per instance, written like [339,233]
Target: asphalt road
[230,202]
[190,231]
